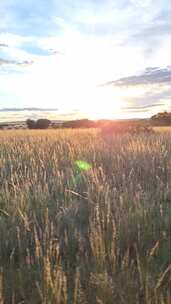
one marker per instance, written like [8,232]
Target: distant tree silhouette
[80,123]
[31,124]
[39,124]
[162,118]
[43,123]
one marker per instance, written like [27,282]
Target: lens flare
[83,165]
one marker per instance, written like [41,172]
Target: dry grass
[162,129]
[101,235]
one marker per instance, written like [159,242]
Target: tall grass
[69,235]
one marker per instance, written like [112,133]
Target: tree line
[46,123]
[159,119]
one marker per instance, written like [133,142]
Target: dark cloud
[3,45]
[157,91]
[151,76]
[140,109]
[28,109]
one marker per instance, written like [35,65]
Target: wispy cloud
[6,62]
[143,107]
[28,109]
[152,75]
[3,45]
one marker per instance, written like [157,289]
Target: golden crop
[84,218]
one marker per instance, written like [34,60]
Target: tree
[163,118]
[43,123]
[80,123]
[31,124]
[39,124]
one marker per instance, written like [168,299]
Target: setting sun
[102,102]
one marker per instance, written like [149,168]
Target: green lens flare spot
[83,165]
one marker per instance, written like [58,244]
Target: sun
[103,103]
[72,88]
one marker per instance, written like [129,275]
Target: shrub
[43,123]
[31,124]
[140,129]
[39,124]
[80,123]
[126,128]
[161,119]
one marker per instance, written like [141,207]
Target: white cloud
[13,40]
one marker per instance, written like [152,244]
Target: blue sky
[94,58]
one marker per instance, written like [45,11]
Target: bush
[161,119]
[31,124]
[42,124]
[126,128]
[39,124]
[80,123]
[140,129]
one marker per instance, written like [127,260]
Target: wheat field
[85,218]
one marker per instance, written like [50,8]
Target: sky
[93,58]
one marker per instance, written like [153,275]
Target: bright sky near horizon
[93,58]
